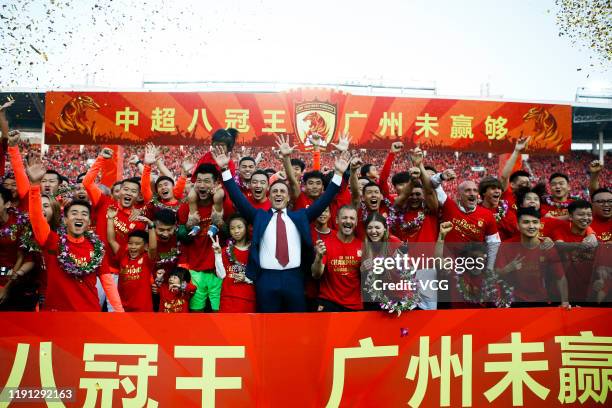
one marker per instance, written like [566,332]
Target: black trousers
[279,291]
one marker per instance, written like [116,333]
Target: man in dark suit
[281,249]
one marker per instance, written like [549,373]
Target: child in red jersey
[237,291]
[136,266]
[174,294]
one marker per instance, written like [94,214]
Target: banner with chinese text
[471,358]
[314,116]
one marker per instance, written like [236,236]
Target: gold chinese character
[47,378]
[495,129]
[517,370]
[126,118]
[462,127]
[366,349]
[442,369]
[349,116]
[393,123]
[427,124]
[194,120]
[238,119]
[162,120]
[274,121]
[142,371]
[589,360]
[209,382]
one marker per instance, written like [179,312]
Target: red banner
[314,116]
[537,357]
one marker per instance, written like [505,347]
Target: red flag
[113,168]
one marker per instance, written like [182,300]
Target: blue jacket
[260,219]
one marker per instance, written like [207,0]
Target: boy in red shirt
[526,266]
[73,255]
[136,266]
[578,253]
[337,264]
[174,294]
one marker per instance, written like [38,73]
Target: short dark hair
[487,183]
[225,136]
[77,202]
[555,175]
[246,158]
[165,216]
[59,176]
[133,180]
[578,204]
[182,273]
[527,211]
[263,172]
[207,168]
[80,177]
[314,174]
[517,174]
[539,189]
[599,191]
[432,168]
[370,184]
[163,178]
[401,177]
[6,194]
[365,169]
[299,163]
[139,234]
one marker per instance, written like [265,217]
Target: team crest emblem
[315,123]
[480,223]
[140,261]
[132,226]
[359,253]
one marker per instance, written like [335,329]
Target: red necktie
[282,248]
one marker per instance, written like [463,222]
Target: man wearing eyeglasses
[602,214]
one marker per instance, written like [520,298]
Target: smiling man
[258,188]
[490,190]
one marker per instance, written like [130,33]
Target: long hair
[56,217]
[374,249]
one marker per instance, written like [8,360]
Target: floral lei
[502,210]
[238,266]
[11,230]
[493,289]
[159,205]
[239,182]
[396,217]
[558,205]
[408,302]
[169,258]
[67,262]
[28,242]
[365,212]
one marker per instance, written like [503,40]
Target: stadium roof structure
[27,114]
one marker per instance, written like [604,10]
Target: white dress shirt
[267,249]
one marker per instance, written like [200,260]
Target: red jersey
[578,264]
[168,253]
[65,292]
[341,280]
[529,282]
[557,209]
[199,254]
[302,201]
[506,225]
[602,228]
[264,205]
[416,226]
[135,279]
[175,302]
[362,216]
[230,288]
[509,197]
[472,227]
[10,242]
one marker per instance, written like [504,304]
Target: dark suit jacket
[260,220]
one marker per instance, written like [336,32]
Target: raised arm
[111,213]
[40,227]
[595,168]
[21,178]
[356,163]
[4,125]
[285,150]
[318,266]
[385,172]
[89,181]
[504,178]
[219,267]
[431,198]
[320,204]
[240,201]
